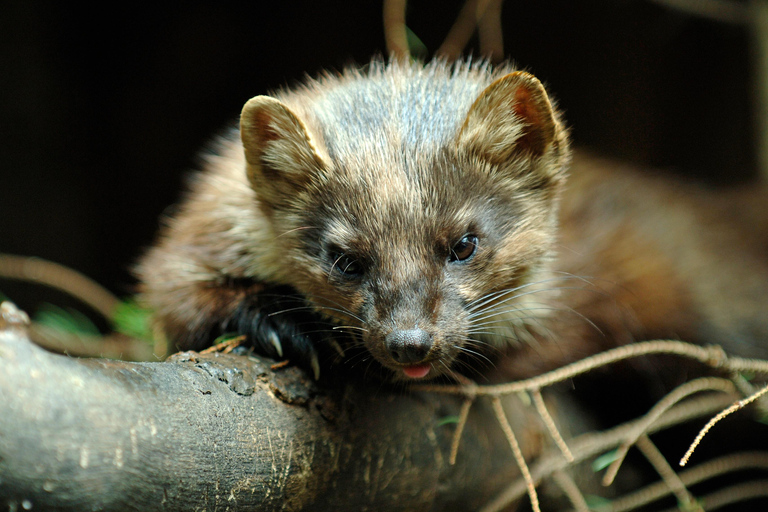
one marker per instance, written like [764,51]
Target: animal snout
[409,346]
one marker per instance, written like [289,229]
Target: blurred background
[103,108]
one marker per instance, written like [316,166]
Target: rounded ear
[512,117]
[280,154]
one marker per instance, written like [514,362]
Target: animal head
[415,204]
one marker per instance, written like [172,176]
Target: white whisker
[480,302]
[335,327]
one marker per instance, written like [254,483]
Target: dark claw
[274,339]
[279,324]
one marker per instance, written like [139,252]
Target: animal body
[428,217]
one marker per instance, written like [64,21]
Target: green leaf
[596,502]
[226,337]
[692,505]
[132,320]
[604,460]
[447,420]
[416,46]
[65,320]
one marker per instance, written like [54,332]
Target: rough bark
[225,432]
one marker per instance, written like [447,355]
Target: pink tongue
[416,372]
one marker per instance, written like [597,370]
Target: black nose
[409,346]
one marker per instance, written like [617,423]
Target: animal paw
[280,324]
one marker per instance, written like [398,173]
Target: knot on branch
[716,356]
[12,317]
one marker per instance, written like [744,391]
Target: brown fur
[660,259]
[339,172]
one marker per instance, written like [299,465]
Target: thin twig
[742,384]
[225,346]
[483,15]
[709,355]
[757,16]
[395,33]
[746,389]
[667,474]
[57,276]
[113,346]
[460,32]
[463,415]
[280,365]
[571,490]
[592,444]
[712,356]
[692,476]
[490,33]
[518,454]
[682,391]
[734,494]
[541,408]
[711,423]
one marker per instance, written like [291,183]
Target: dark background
[103,109]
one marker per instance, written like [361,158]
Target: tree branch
[219,431]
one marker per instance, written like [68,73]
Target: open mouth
[418,371]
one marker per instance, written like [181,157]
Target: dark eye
[346,264]
[464,249]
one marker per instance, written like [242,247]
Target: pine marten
[418,217]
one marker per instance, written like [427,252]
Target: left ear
[512,117]
[281,155]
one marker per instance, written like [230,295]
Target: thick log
[225,432]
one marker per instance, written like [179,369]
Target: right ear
[280,154]
[512,116]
